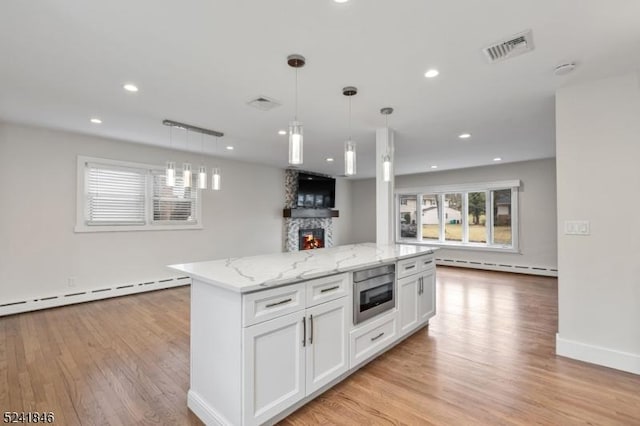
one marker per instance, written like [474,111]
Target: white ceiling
[197,61]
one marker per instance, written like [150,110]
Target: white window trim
[471,187]
[439,191]
[81,226]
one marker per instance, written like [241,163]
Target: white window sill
[121,228]
[460,246]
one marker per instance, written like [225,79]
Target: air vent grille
[514,46]
[264,103]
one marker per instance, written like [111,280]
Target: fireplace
[309,239]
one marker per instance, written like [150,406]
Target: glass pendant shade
[216,177]
[186,175]
[386,168]
[202,177]
[170,174]
[295,143]
[350,158]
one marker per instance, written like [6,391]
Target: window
[115,195]
[121,196]
[453,217]
[430,217]
[472,216]
[501,216]
[175,204]
[477,217]
[408,212]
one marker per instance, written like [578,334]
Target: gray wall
[342,227]
[537,211]
[598,128]
[40,249]
[363,213]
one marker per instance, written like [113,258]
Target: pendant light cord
[295,116]
[350,135]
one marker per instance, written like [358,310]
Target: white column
[385,208]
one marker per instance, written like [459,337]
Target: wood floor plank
[488,357]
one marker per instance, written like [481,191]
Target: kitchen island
[271,332]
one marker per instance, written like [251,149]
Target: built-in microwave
[374,292]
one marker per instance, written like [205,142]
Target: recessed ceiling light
[96,121]
[464,135]
[130,87]
[431,73]
[340,1]
[497,159]
[282,132]
[434,167]
[229,148]
[329,160]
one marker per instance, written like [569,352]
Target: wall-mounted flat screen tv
[316,191]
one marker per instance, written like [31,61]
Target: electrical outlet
[71,281]
[577,227]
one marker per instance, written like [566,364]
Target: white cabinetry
[416,293]
[327,343]
[427,296]
[372,338]
[292,356]
[408,295]
[274,367]
[257,356]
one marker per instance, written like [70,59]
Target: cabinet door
[408,303]
[327,343]
[427,299]
[274,367]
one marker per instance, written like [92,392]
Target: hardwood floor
[487,358]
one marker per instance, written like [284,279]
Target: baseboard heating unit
[18,306]
[502,267]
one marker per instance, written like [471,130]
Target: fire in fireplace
[311,238]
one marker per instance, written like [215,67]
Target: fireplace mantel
[310,213]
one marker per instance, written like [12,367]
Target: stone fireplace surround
[292,226]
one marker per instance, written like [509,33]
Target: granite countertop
[246,274]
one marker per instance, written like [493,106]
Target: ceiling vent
[263,103]
[514,46]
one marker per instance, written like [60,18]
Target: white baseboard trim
[502,267]
[611,358]
[81,296]
[204,412]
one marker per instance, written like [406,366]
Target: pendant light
[349,145]
[296,137]
[186,167]
[187,172]
[202,170]
[216,173]
[386,158]
[170,172]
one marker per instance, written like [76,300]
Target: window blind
[115,195]
[175,204]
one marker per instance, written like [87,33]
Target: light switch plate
[577,227]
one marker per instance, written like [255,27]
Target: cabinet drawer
[268,304]
[369,340]
[326,288]
[427,263]
[408,267]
